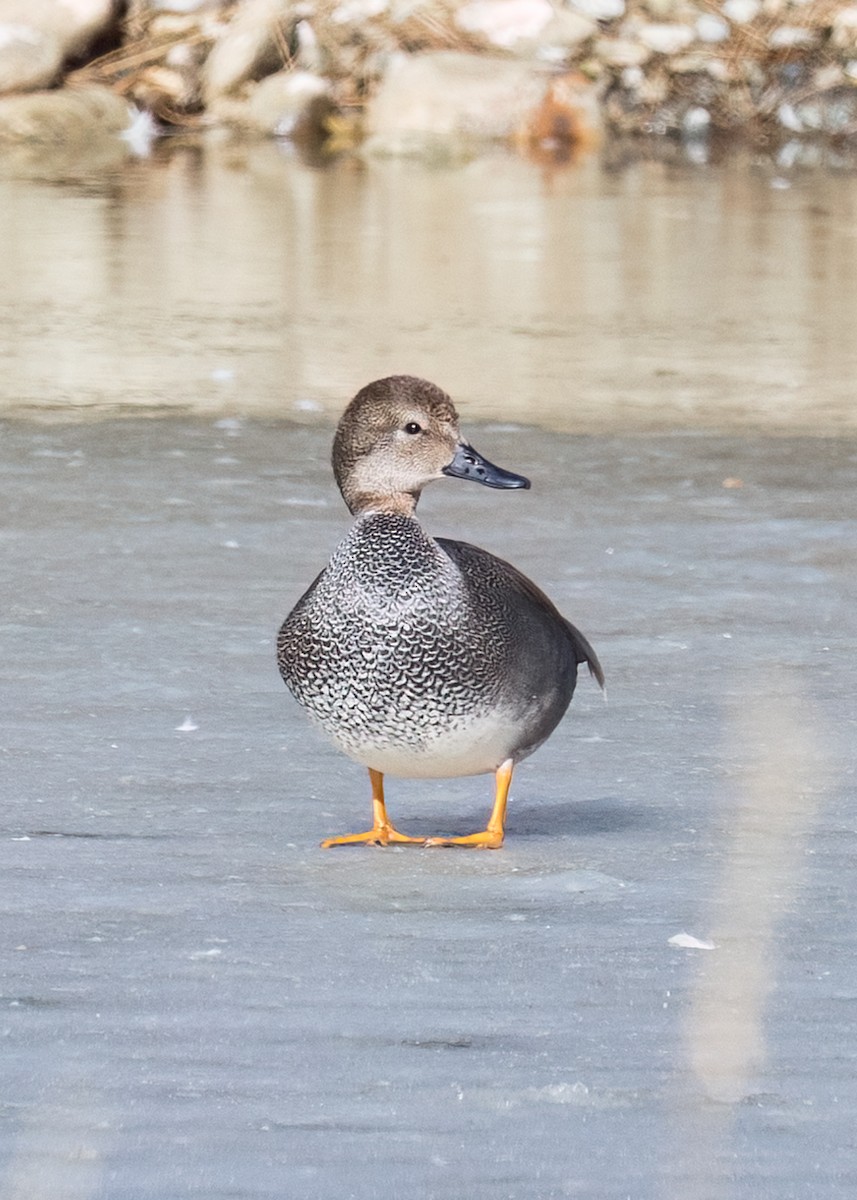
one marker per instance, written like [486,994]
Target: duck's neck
[401,504]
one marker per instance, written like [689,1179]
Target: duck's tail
[584,653]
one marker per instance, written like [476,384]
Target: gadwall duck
[423,657]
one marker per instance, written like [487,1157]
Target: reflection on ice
[725,1032]
[778,797]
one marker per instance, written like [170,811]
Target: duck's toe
[378,835]
[488,839]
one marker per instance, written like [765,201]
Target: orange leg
[491,837]
[382,832]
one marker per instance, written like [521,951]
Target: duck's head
[398,434]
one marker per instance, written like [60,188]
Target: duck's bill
[467,464]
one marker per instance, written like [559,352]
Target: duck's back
[542,650]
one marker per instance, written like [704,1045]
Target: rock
[633,79]
[752,73]
[567,31]
[29,58]
[654,89]
[505,23]
[810,116]
[661,10]
[248,48]
[352,12]
[526,25]
[291,104]
[741,11]
[447,95]
[830,76]
[844,28]
[173,25]
[599,10]
[71,117]
[179,6]
[309,56]
[74,22]
[790,37]
[295,104]
[622,52]
[696,122]
[694,63]
[37,36]
[444,102]
[666,38]
[789,119]
[160,87]
[711,28]
[719,70]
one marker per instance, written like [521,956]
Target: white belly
[477,748]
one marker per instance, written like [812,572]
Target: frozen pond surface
[199,1002]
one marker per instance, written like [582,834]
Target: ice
[286,1023]
[688,942]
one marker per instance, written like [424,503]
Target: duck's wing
[473,560]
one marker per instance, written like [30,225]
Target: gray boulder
[447,103]
[38,36]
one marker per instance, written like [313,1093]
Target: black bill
[467,464]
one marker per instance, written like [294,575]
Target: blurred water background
[616,292]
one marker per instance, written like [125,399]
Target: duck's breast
[419,658]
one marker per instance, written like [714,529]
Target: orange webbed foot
[378,835]
[382,833]
[488,839]
[491,837]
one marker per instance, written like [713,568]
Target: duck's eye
[413,427]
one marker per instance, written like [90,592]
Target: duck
[423,657]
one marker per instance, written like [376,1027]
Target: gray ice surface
[197,1001]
